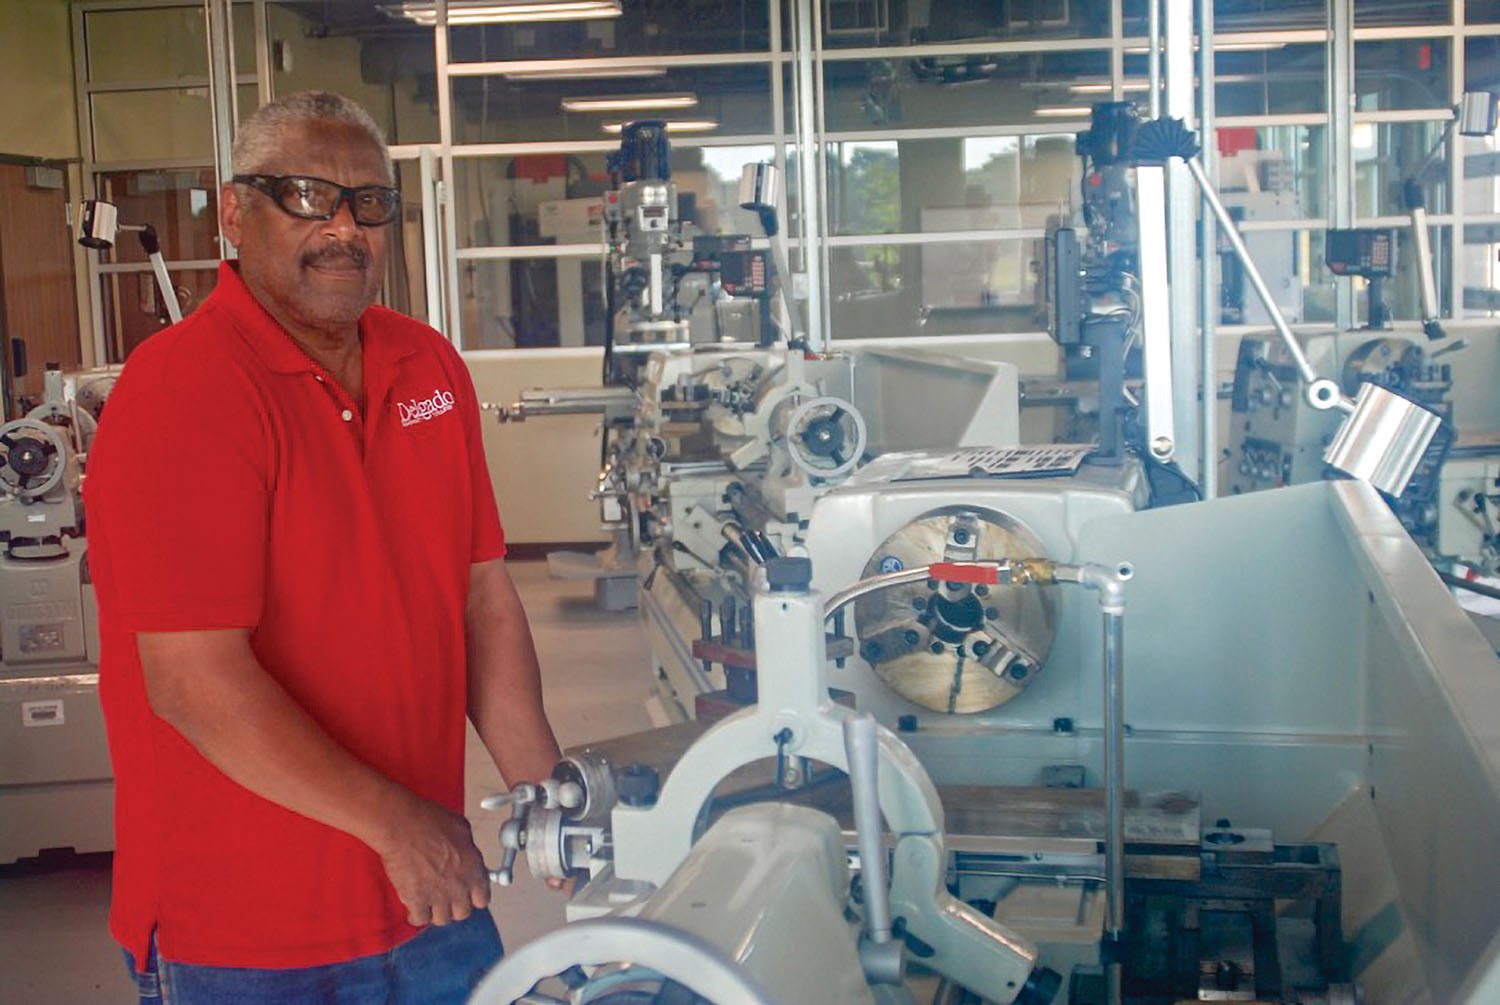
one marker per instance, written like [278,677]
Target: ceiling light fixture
[630,102]
[1064,112]
[601,72]
[462,12]
[673,126]
[1142,50]
[1128,86]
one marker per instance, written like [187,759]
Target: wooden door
[37,293]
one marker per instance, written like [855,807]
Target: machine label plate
[43,713]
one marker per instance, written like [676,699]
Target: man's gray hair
[262,137]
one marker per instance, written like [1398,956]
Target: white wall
[543,469]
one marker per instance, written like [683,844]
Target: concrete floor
[54,946]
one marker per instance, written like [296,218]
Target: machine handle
[881,957]
[965,572]
[862,747]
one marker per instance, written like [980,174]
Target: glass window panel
[247,97]
[1481,251]
[1295,268]
[713,175]
[545,199]
[645,28]
[732,99]
[182,204]
[1274,172]
[1482,63]
[405,287]
[1384,13]
[889,291]
[1239,15]
[1385,155]
[1482,11]
[1481,174]
[919,93]
[160,43]
[1401,73]
[1279,80]
[244,38]
[1402,292]
[1270,78]
[1317,286]
[974,183]
[532,302]
[392,74]
[1481,265]
[1250,15]
[860,23]
[133,308]
[153,125]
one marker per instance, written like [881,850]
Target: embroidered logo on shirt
[414,411]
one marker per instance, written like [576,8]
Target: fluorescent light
[1065,112]
[586,74]
[424,12]
[630,102]
[673,126]
[1141,50]
[1129,85]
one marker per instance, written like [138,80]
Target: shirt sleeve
[178,493]
[487,536]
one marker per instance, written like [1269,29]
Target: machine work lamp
[1474,115]
[97,226]
[1384,435]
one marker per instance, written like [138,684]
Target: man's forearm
[211,689]
[505,686]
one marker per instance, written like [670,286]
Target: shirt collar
[278,350]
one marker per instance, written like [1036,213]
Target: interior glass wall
[948,128]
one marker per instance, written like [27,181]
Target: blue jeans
[441,965]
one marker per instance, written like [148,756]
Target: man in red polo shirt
[298,561]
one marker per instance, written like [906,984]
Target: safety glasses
[319,199]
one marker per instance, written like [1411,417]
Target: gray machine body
[56,782]
[1320,686]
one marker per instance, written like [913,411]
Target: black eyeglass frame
[269,185]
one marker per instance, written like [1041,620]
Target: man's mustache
[337,254]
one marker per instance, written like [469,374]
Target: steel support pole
[222,94]
[1208,261]
[809,185]
[1182,244]
[444,189]
[432,255]
[1456,155]
[822,294]
[1341,141]
[1156,311]
[1114,784]
[1153,57]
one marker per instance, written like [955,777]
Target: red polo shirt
[234,484]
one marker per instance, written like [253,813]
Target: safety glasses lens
[315,199]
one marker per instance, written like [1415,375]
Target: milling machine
[716,453]
[56,784]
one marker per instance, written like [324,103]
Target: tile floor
[54,947]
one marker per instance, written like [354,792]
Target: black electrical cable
[1459,583]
